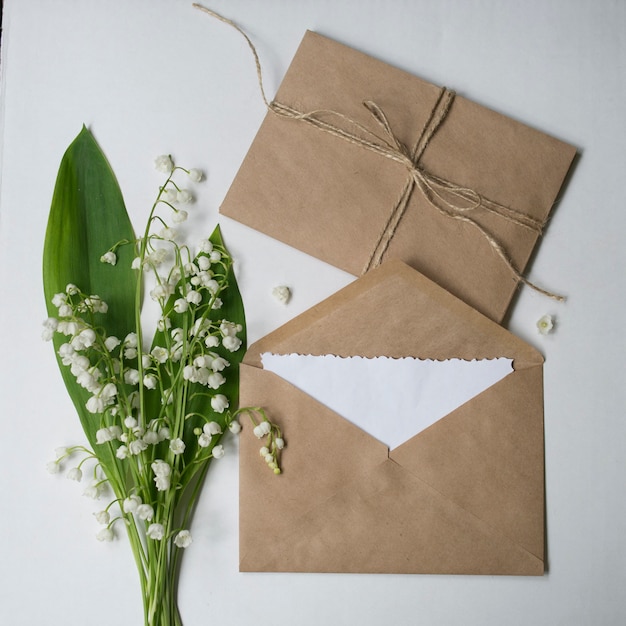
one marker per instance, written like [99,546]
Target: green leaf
[87,218]
[199,402]
[233,311]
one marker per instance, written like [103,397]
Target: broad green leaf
[233,311]
[88,217]
[199,402]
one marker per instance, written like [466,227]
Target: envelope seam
[458,506]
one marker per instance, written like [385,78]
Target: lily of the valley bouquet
[154,406]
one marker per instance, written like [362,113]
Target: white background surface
[155,76]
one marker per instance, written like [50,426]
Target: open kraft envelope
[464,496]
[340,202]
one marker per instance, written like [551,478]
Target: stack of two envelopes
[414,421]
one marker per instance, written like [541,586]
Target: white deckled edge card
[391,399]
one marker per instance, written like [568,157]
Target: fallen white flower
[282,294]
[545,324]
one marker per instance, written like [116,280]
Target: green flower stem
[160,592]
[139,295]
[138,554]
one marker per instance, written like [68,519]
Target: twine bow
[449,199]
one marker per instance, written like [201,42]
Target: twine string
[449,199]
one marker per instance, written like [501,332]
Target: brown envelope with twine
[455,190]
[464,496]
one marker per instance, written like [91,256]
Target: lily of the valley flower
[262,429]
[545,324]
[195,175]
[162,472]
[232,344]
[169,195]
[144,512]
[106,534]
[162,483]
[122,452]
[75,473]
[183,539]
[110,343]
[50,325]
[53,467]
[179,216]
[102,517]
[150,381]
[219,403]
[94,490]
[131,503]
[184,196]
[137,447]
[177,446]
[212,428]
[282,294]
[156,532]
[204,440]
[164,164]
[109,257]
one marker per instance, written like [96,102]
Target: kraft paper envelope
[332,199]
[464,496]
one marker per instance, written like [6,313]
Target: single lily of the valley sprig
[270,433]
[154,413]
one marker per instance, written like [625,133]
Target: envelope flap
[395,311]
